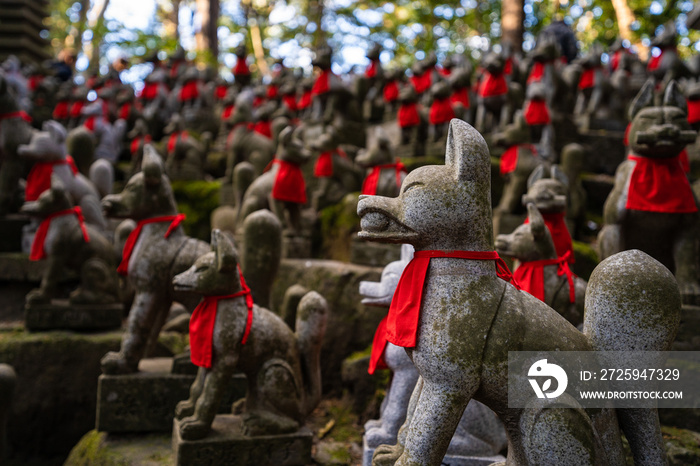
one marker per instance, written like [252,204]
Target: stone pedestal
[373,254]
[448,460]
[226,444]
[11,227]
[296,247]
[145,401]
[61,315]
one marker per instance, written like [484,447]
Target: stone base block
[296,247]
[11,227]
[61,315]
[448,460]
[226,444]
[182,364]
[145,401]
[373,254]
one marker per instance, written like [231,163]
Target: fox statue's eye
[411,186]
[202,268]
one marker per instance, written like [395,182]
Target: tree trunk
[79,29]
[625,18]
[95,25]
[206,38]
[512,17]
[256,39]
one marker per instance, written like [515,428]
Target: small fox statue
[229,332]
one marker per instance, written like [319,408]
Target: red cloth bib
[34,81]
[76,108]
[220,91]
[324,164]
[130,243]
[371,70]
[536,73]
[684,161]
[530,276]
[587,79]
[369,185]
[560,234]
[615,60]
[189,91]
[38,252]
[149,91]
[537,113]
[654,62]
[322,84]
[408,115]
[404,313]
[18,114]
[508,66]
[172,140]
[376,359]
[444,72]
[264,127]
[461,96]
[659,185]
[509,159]
[89,123]
[289,183]
[304,100]
[136,143]
[391,91]
[241,68]
[203,320]
[39,178]
[227,111]
[693,111]
[272,91]
[290,102]
[422,83]
[60,111]
[492,85]
[125,111]
[441,111]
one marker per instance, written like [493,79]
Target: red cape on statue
[492,85]
[509,159]
[441,111]
[39,178]
[130,243]
[37,251]
[391,91]
[530,276]
[408,115]
[659,185]
[369,185]
[404,313]
[289,183]
[203,321]
[536,113]
[376,359]
[322,84]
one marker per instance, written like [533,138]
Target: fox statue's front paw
[379,436]
[184,409]
[115,364]
[37,296]
[193,429]
[386,455]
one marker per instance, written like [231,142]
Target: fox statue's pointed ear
[559,175]
[673,97]
[151,165]
[645,98]
[536,221]
[536,175]
[467,153]
[226,254]
[56,130]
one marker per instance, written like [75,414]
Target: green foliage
[197,200]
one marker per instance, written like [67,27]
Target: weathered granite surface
[62,315]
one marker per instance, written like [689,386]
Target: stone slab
[61,315]
[446,461]
[226,444]
[373,254]
[145,401]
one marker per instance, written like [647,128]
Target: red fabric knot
[37,251]
[537,113]
[408,115]
[203,321]
[369,185]
[441,111]
[404,313]
[289,183]
[131,241]
[492,85]
[659,185]
[39,178]
[530,275]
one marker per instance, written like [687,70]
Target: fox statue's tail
[310,328]
[633,304]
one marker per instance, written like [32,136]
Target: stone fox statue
[70,244]
[229,332]
[547,275]
[154,253]
[652,206]
[459,329]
